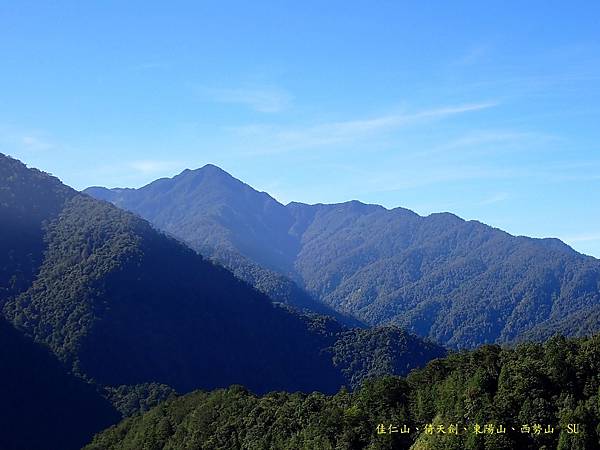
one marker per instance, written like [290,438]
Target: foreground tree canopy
[553,385]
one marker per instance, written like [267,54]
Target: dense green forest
[536,393]
[251,231]
[120,303]
[139,315]
[364,353]
[106,317]
[460,283]
[21,222]
[131,399]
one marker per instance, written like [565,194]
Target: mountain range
[206,283]
[125,315]
[460,283]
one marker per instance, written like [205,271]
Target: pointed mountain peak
[212,168]
[206,182]
[207,172]
[207,168]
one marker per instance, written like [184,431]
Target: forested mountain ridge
[21,223]
[461,283]
[133,311]
[240,219]
[458,282]
[236,232]
[122,303]
[533,392]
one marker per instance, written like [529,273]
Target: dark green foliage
[230,223]
[556,383]
[278,288]
[458,282]
[363,354]
[42,406]
[121,304]
[138,398]
[21,223]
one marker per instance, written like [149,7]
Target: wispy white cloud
[281,139]
[148,167]
[448,172]
[508,87]
[149,65]
[472,55]
[571,171]
[496,198]
[264,99]
[586,237]
[440,174]
[483,140]
[35,143]
[14,138]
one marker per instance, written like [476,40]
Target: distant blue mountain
[459,282]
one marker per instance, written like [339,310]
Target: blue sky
[490,110]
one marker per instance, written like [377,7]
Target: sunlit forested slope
[534,387]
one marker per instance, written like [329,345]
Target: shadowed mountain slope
[43,407]
[120,303]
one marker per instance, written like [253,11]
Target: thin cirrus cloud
[410,179]
[440,173]
[586,237]
[496,198]
[22,139]
[148,167]
[264,100]
[35,143]
[478,143]
[281,139]
[472,55]
[480,138]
